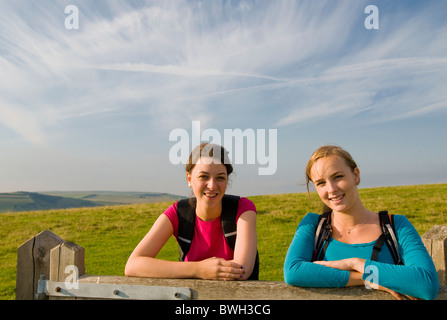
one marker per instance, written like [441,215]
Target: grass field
[109,234]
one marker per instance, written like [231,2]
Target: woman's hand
[219,269]
[395,294]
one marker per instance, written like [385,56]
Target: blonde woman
[354,252]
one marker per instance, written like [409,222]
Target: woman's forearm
[212,268]
[355,279]
[156,268]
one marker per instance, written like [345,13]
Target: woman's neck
[353,217]
[361,226]
[205,213]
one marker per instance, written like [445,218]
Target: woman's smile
[337,199]
[210,195]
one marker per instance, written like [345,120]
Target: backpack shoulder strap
[186,223]
[230,205]
[322,234]
[389,235]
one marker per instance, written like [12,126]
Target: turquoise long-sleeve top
[417,277]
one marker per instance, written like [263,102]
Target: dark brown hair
[209,150]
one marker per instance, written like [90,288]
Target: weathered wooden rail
[50,268]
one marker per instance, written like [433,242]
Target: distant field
[110,233]
[116,197]
[9,200]
[32,201]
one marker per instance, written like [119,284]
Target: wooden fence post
[33,260]
[67,254]
[435,240]
[66,265]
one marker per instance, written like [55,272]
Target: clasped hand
[220,269]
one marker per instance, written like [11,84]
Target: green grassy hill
[116,197]
[32,201]
[110,233]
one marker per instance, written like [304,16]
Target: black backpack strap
[377,246]
[322,235]
[324,231]
[186,223]
[230,205]
[389,235]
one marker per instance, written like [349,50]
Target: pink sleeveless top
[209,240]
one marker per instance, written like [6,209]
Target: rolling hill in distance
[32,201]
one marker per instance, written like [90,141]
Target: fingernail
[242,267]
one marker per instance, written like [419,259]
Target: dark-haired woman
[209,255]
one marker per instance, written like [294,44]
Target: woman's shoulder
[401,222]
[245,201]
[246,204]
[309,221]
[400,219]
[171,213]
[171,210]
[403,227]
[311,217]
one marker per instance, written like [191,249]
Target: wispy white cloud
[370,77]
[224,48]
[346,105]
[145,53]
[180,71]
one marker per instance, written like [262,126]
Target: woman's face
[336,183]
[208,182]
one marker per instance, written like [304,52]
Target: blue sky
[92,108]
